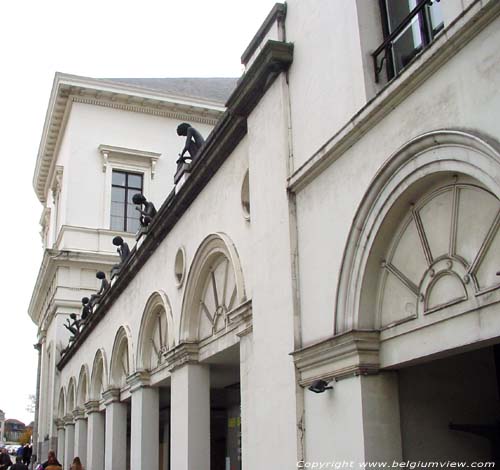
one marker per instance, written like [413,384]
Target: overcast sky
[106,38]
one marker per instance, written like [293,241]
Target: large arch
[121,358]
[82,393]
[156,334]
[99,378]
[71,397]
[61,406]
[414,169]
[215,286]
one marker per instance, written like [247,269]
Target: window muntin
[124,216]
[409,26]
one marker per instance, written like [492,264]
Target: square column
[60,440]
[145,423]
[116,431]
[69,441]
[190,417]
[80,435]
[95,436]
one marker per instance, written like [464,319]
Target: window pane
[436,15]
[118,195]
[135,181]
[397,11]
[118,178]
[132,211]
[117,209]
[408,44]
[132,225]
[117,223]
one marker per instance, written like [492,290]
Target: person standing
[19,465]
[77,464]
[5,461]
[51,463]
[27,451]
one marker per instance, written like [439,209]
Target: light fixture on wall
[319,386]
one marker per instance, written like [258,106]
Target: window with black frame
[409,26]
[124,216]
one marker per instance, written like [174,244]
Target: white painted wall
[326,208]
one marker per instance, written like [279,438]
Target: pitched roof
[214,89]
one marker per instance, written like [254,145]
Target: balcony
[409,26]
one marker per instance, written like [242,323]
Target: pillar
[95,436]
[60,440]
[145,422]
[190,417]
[116,431]
[69,441]
[80,435]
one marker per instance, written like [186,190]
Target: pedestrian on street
[5,461]
[52,463]
[19,464]
[27,451]
[77,464]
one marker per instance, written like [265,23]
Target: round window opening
[180,266]
[245,196]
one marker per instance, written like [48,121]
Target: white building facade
[338,228]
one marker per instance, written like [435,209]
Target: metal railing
[388,45]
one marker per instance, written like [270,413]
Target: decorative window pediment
[112,154]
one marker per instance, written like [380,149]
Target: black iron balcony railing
[405,41]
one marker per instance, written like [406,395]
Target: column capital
[59,423]
[111,395]
[138,380]
[79,413]
[92,406]
[345,355]
[184,353]
[68,420]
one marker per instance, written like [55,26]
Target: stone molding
[59,423]
[274,58]
[68,420]
[139,108]
[241,314]
[112,153]
[79,413]
[92,407]
[276,15]
[139,379]
[111,395]
[348,354]
[184,353]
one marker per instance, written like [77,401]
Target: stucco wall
[326,208]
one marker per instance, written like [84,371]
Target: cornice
[114,153]
[276,15]
[224,138]
[347,354]
[51,260]
[208,117]
[68,89]
[274,58]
